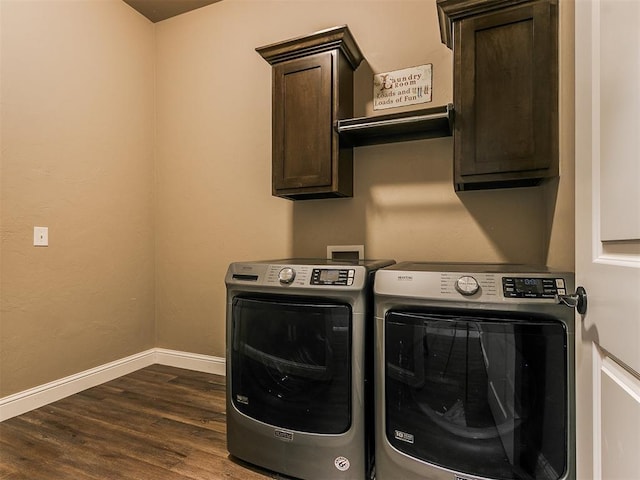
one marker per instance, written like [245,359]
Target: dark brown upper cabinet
[312,90]
[505,90]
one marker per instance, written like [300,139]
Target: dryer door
[482,395]
[291,363]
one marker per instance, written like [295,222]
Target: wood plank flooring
[159,423]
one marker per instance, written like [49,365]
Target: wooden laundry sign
[402,87]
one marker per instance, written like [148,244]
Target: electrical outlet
[40,236]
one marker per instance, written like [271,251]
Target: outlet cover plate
[40,236]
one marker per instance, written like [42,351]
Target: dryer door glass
[482,395]
[290,363]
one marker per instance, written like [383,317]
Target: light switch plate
[40,236]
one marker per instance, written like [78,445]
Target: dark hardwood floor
[159,423]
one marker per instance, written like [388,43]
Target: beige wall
[213,202]
[77,156]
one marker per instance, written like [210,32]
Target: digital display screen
[329,275]
[529,285]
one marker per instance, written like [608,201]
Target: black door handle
[578,300]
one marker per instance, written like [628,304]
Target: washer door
[291,363]
[483,395]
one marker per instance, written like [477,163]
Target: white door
[607,149]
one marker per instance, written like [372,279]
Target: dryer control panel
[332,276]
[500,284]
[533,287]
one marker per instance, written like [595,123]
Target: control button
[560,282]
[467,285]
[350,281]
[287,275]
[352,273]
[562,291]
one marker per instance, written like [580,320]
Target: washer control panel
[332,276]
[533,287]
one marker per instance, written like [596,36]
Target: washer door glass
[290,363]
[481,395]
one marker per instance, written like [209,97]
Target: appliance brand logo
[342,463]
[242,399]
[403,436]
[405,278]
[283,435]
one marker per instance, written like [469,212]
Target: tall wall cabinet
[312,81]
[505,90]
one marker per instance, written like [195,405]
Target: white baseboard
[27,400]
[191,361]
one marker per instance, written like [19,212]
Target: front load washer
[474,373]
[300,365]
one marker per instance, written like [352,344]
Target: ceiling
[157,10]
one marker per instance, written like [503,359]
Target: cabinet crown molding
[450,11]
[322,41]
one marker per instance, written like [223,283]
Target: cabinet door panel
[504,84]
[302,122]
[506,95]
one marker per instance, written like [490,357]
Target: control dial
[467,285]
[287,275]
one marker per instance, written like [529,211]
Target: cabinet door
[506,97]
[302,123]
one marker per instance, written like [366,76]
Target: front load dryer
[474,373]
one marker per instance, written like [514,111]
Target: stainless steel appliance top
[369,264]
[469,267]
